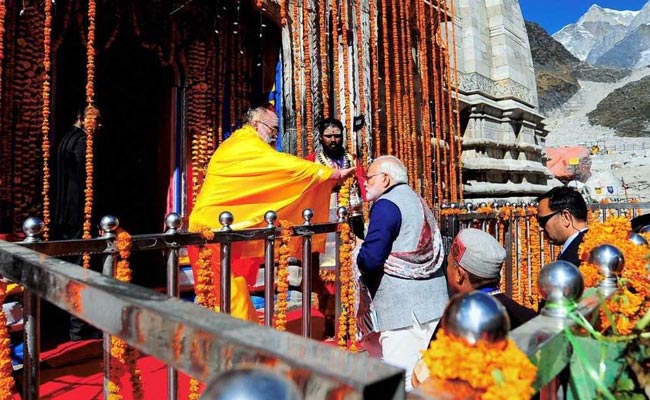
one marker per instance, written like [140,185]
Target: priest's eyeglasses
[273,129]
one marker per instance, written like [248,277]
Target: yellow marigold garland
[45,125]
[282,258]
[7,382]
[204,290]
[3,12]
[347,329]
[523,260]
[495,371]
[485,210]
[451,211]
[631,300]
[90,115]
[123,357]
[535,257]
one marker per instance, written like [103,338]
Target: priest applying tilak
[247,176]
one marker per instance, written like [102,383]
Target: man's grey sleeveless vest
[397,299]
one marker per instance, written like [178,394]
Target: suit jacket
[571,253]
[517,313]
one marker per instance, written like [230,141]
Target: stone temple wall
[503,134]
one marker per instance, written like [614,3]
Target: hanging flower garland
[295,49]
[388,107]
[204,290]
[89,123]
[491,370]
[282,259]
[3,12]
[205,281]
[45,126]
[503,221]
[523,266]
[631,300]
[123,357]
[7,382]
[347,323]
[458,182]
[323,37]
[309,110]
[535,256]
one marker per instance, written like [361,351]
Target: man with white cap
[474,263]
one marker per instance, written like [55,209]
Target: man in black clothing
[69,200]
[68,211]
[562,215]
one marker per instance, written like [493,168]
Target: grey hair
[254,114]
[393,167]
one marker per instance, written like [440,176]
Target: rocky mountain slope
[558,72]
[626,110]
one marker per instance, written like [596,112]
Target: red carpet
[73,370]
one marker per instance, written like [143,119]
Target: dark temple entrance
[133,147]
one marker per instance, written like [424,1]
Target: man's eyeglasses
[369,177]
[273,129]
[543,220]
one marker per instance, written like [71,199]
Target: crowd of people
[399,258]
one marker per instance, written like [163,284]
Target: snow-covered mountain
[609,37]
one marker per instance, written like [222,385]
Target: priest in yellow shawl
[248,177]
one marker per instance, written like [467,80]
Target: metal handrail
[189,337]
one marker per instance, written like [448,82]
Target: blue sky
[554,14]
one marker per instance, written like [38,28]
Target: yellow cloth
[247,177]
[241,305]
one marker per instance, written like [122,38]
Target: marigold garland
[297,95]
[534,244]
[7,382]
[324,56]
[123,357]
[523,266]
[45,125]
[3,12]
[347,323]
[204,282]
[89,124]
[631,300]
[388,107]
[282,259]
[204,289]
[495,371]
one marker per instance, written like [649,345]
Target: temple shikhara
[146,93]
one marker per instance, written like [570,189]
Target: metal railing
[202,343]
[451,224]
[185,336]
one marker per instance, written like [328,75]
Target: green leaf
[498,377]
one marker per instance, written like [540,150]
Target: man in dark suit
[562,215]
